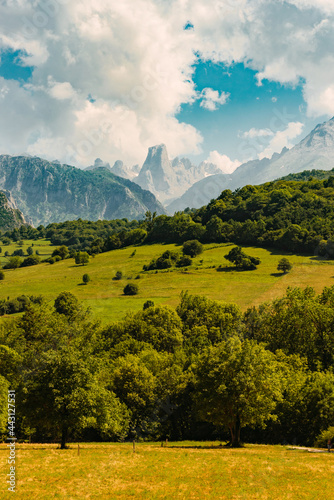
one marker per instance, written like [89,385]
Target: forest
[202,371]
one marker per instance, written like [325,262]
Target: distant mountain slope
[49,192]
[316,151]
[10,216]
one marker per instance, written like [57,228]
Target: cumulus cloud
[254,133]
[282,139]
[139,74]
[212,99]
[223,162]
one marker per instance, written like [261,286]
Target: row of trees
[202,371]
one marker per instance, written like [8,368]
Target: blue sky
[225,81]
[249,105]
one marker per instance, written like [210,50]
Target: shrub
[86,278]
[192,248]
[147,304]
[241,260]
[118,275]
[131,289]
[19,252]
[30,261]
[2,275]
[13,263]
[322,439]
[184,261]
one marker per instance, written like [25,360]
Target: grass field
[182,470]
[105,296]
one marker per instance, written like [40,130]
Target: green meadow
[184,470]
[105,295]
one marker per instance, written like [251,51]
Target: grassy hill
[105,295]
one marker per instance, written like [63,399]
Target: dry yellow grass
[182,470]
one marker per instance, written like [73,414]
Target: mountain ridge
[50,192]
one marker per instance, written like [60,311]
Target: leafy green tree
[62,251]
[33,260]
[19,252]
[192,248]
[147,304]
[66,303]
[2,275]
[241,260]
[300,322]
[118,275]
[207,322]
[81,258]
[284,265]
[135,386]
[30,250]
[86,278]
[63,396]
[13,263]
[184,261]
[131,289]
[238,384]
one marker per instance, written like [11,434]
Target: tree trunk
[63,437]
[235,433]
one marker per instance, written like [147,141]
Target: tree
[86,278]
[118,275]
[237,384]
[147,304]
[33,260]
[135,386]
[81,258]
[61,251]
[63,396]
[30,250]
[284,265]
[2,275]
[131,289]
[241,260]
[66,303]
[192,248]
[13,263]
[184,261]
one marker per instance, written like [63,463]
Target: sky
[224,81]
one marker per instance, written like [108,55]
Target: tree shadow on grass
[226,269]
[206,447]
[278,275]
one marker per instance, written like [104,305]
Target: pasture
[186,470]
[105,295]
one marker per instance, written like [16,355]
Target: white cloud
[211,99]
[254,133]
[140,72]
[282,139]
[223,162]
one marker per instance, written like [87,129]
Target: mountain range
[316,151]
[50,192]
